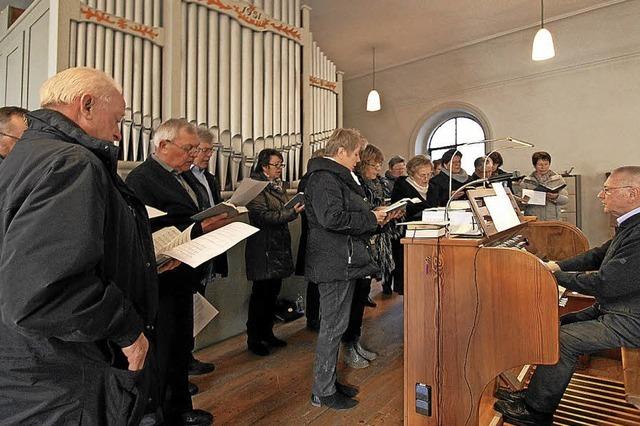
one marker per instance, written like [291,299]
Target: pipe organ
[249,72]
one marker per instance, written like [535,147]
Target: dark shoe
[386,290]
[370,303]
[196,418]
[275,342]
[193,389]
[347,390]
[313,325]
[520,414]
[511,396]
[258,348]
[198,367]
[337,401]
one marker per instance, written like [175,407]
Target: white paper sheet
[206,247]
[537,198]
[203,313]
[153,212]
[168,238]
[248,189]
[499,189]
[502,212]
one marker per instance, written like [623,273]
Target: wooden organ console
[474,308]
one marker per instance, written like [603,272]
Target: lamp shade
[543,46]
[373,101]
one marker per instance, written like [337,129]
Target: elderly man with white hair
[78,283]
[164,181]
[610,274]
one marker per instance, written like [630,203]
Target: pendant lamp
[373,100]
[543,42]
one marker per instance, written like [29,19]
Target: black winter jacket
[77,277]
[403,189]
[268,252]
[438,193]
[609,272]
[340,224]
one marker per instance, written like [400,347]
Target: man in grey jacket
[610,274]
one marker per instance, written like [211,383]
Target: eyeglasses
[205,150]
[188,149]
[9,136]
[375,165]
[277,166]
[607,189]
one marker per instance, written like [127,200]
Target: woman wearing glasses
[268,252]
[545,177]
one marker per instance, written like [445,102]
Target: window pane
[469,155]
[444,135]
[469,131]
[437,154]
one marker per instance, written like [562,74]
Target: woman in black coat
[268,252]
[416,185]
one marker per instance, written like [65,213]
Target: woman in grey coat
[544,176]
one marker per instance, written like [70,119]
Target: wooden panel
[631,366]
[471,313]
[13,76]
[37,59]
[555,240]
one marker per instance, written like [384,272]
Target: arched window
[452,127]
[454,132]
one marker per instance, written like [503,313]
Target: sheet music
[502,213]
[537,198]
[499,189]
[153,212]
[248,189]
[203,313]
[168,238]
[206,247]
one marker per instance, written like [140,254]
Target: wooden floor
[247,389]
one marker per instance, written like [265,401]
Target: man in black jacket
[610,274]
[340,224]
[13,122]
[162,182]
[78,285]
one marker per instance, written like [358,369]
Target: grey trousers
[585,332]
[335,306]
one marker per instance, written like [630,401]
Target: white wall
[583,106]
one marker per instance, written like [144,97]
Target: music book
[400,204]
[298,198]
[247,191]
[194,252]
[433,232]
[552,189]
[535,198]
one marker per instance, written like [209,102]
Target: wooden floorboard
[247,389]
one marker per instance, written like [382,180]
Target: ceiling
[407,30]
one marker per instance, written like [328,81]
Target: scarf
[422,190]
[461,177]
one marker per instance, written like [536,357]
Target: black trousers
[174,337]
[262,307]
[312,309]
[360,296]
[398,274]
[585,332]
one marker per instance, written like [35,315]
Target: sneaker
[337,401]
[365,353]
[352,358]
[347,390]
